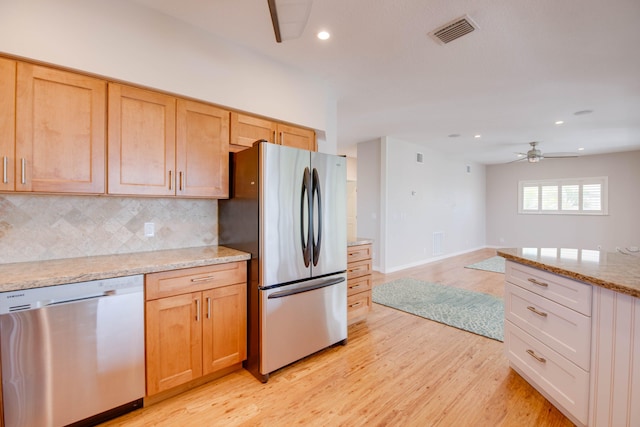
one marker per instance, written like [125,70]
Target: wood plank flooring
[396,370]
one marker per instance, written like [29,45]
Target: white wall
[507,228]
[369,172]
[126,41]
[414,200]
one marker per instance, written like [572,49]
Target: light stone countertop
[359,241]
[612,270]
[37,274]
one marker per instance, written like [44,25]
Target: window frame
[559,183]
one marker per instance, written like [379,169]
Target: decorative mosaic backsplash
[40,227]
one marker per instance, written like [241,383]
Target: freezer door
[301,319]
[284,229]
[329,199]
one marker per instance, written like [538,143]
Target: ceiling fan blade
[560,155]
[289,18]
[274,20]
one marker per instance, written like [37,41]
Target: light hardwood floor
[396,370]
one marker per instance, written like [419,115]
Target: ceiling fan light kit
[534,155]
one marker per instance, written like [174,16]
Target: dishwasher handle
[303,289]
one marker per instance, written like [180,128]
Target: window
[580,196]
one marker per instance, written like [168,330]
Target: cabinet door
[245,130]
[142,139]
[225,327]
[173,341]
[60,131]
[7,123]
[296,137]
[202,147]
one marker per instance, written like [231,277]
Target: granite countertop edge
[38,274]
[572,274]
[359,241]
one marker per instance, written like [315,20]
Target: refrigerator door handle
[305,235]
[317,194]
[313,287]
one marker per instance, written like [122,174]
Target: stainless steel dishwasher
[72,353]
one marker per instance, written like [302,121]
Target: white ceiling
[529,64]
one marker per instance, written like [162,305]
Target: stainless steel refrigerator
[288,209]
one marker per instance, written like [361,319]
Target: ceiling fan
[534,155]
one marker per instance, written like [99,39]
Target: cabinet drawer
[564,330]
[176,282]
[358,285]
[358,306]
[568,292]
[562,382]
[358,253]
[358,268]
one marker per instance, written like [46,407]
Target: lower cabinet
[195,323]
[358,282]
[547,336]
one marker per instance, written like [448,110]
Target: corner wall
[416,200]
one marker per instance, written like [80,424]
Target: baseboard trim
[430,260]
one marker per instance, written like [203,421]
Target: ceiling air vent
[453,30]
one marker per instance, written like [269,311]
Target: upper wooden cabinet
[246,129]
[202,147]
[7,123]
[142,142]
[162,146]
[296,137]
[60,131]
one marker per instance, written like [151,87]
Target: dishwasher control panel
[31,299]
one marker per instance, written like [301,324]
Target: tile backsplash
[41,227]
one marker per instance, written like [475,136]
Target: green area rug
[482,314]
[495,264]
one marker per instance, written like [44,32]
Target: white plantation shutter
[570,197]
[530,198]
[549,197]
[592,197]
[586,196]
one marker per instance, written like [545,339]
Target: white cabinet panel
[562,329]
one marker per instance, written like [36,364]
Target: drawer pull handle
[198,310]
[535,282]
[203,279]
[354,286]
[535,356]
[539,313]
[356,304]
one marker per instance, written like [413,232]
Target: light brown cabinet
[246,129]
[195,323]
[60,132]
[7,123]
[359,282]
[162,146]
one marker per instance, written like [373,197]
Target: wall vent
[453,30]
[419,158]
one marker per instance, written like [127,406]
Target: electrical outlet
[149,229]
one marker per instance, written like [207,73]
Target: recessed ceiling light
[581,149]
[582,112]
[559,122]
[324,35]
[477,136]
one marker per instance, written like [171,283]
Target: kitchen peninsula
[572,330]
